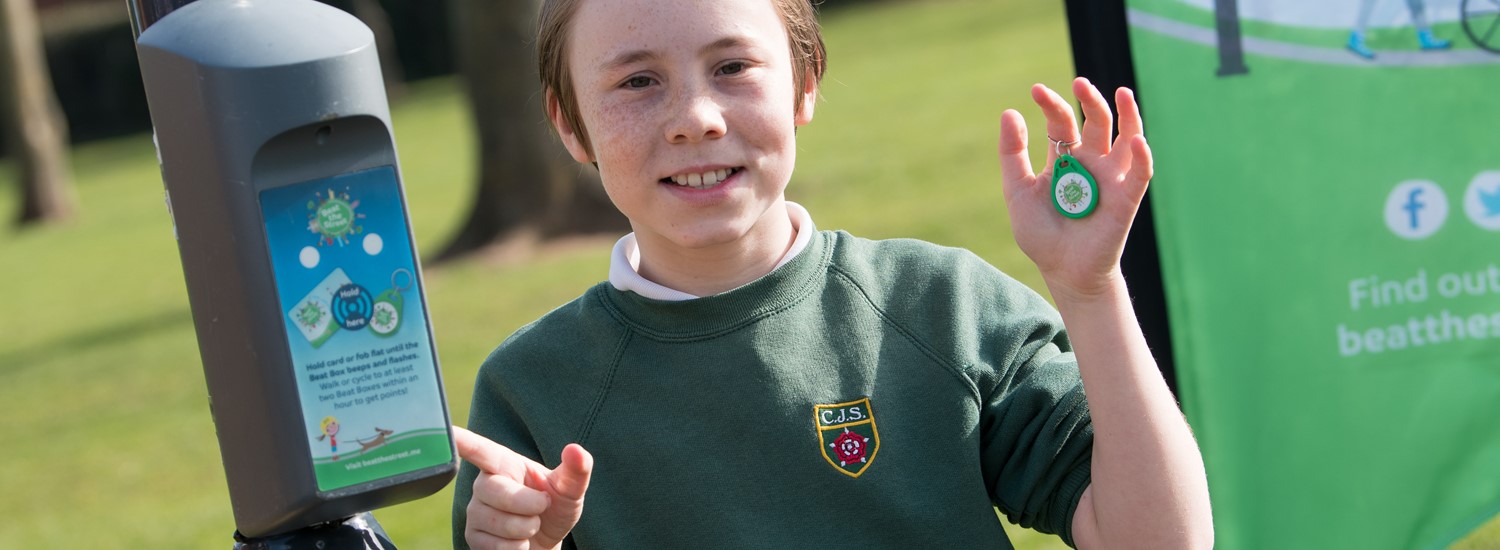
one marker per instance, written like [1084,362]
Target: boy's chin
[706,238]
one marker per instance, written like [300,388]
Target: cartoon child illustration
[331,430]
[1418,17]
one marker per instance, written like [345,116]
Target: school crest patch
[847,435]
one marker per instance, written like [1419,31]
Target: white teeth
[704,180]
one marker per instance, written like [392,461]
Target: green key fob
[1074,192]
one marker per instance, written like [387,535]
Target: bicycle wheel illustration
[1481,21]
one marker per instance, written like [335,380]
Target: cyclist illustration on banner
[1418,9]
[1369,33]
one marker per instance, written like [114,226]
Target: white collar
[625,261]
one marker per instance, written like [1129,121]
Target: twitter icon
[1482,200]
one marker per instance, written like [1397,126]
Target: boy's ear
[806,100]
[569,138]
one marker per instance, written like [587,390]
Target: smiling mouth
[703,180]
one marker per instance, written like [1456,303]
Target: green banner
[1327,202]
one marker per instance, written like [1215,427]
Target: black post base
[359,532]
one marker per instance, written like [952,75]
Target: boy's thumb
[570,480]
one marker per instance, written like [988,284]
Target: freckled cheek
[766,114]
[614,128]
[767,128]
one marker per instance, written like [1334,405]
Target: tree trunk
[374,16]
[528,185]
[33,132]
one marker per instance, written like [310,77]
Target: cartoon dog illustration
[378,440]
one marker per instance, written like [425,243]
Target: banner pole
[1097,30]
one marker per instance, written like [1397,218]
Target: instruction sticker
[356,325]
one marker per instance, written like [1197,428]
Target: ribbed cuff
[1071,492]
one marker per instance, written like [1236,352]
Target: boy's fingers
[1062,125]
[489,456]
[1130,112]
[509,495]
[1130,123]
[503,525]
[1015,161]
[536,478]
[1098,121]
[481,540]
[1141,168]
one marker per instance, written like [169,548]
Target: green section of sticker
[1074,192]
[393,454]
[335,217]
[386,315]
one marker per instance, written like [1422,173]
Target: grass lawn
[101,387]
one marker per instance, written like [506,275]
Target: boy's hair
[805,39]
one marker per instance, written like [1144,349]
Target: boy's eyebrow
[726,43]
[626,58]
[636,56]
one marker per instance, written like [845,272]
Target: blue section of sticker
[352,306]
[344,262]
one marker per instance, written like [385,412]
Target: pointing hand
[517,503]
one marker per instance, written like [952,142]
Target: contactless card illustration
[313,315]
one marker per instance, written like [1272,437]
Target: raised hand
[517,503]
[1080,257]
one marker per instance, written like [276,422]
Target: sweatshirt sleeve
[1036,433]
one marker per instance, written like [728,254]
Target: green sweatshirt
[867,394]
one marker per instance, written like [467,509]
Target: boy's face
[686,91]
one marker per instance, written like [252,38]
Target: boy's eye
[638,82]
[732,68]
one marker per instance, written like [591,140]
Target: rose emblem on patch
[850,447]
[847,435]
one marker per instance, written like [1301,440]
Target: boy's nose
[700,118]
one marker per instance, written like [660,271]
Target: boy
[748,381]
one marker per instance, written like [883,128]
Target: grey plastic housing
[247,95]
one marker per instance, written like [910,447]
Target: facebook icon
[1416,209]
[1413,205]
